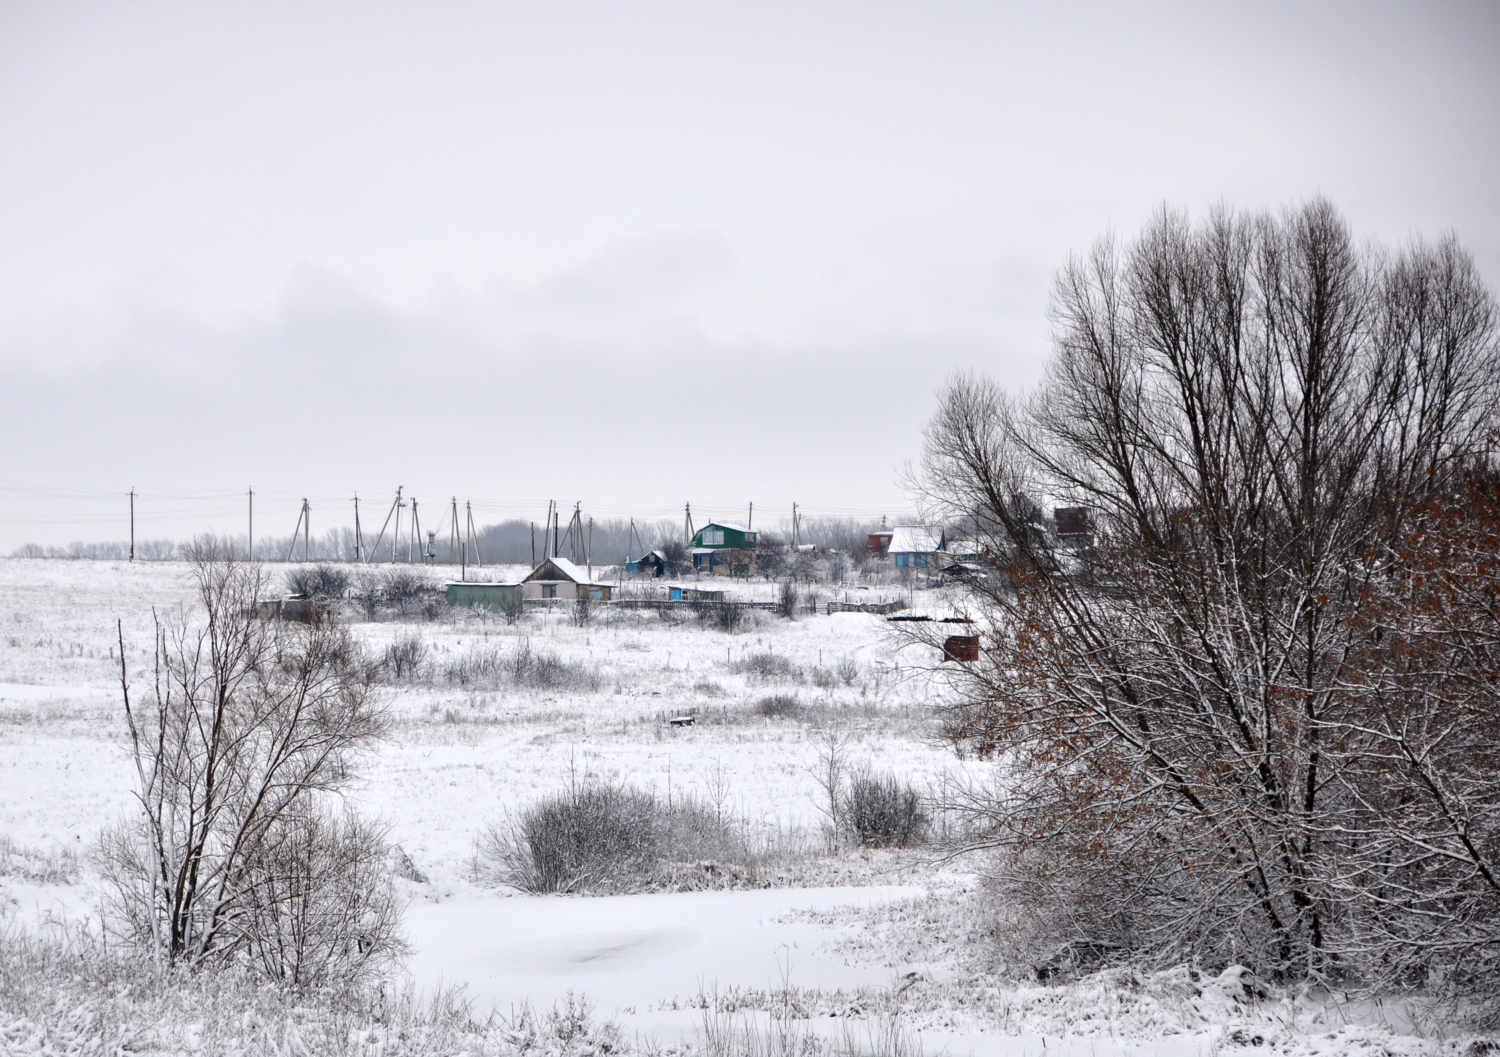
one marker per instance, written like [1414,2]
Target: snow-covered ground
[857,935]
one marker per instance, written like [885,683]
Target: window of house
[902,560]
[549,590]
[713,537]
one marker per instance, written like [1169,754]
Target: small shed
[560,578]
[1075,526]
[653,564]
[497,597]
[676,593]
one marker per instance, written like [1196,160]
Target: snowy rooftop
[912,539]
[562,565]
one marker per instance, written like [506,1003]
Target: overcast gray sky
[634,254]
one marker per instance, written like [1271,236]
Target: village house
[722,549]
[560,578]
[914,547]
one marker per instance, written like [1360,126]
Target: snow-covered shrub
[488,667]
[478,669]
[779,706]
[768,666]
[787,597]
[547,671]
[325,582]
[599,837]
[881,811]
[403,658]
[321,906]
[725,616]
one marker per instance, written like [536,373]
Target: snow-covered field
[860,935]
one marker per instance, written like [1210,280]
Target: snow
[912,539]
[853,934]
[632,954]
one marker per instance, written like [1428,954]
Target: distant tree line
[511,542]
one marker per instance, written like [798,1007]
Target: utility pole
[460,545]
[416,533]
[796,535]
[132,524]
[687,524]
[375,547]
[250,550]
[589,549]
[750,520]
[303,517]
[359,543]
[533,544]
[306,529]
[473,533]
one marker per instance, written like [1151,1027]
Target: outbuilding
[560,578]
[497,597]
[653,564]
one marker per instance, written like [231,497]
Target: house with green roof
[723,549]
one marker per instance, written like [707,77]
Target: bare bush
[512,607]
[583,610]
[787,598]
[767,666]
[881,811]
[249,723]
[722,614]
[847,670]
[399,591]
[321,905]
[402,660]
[488,667]
[601,838]
[779,706]
[482,668]
[327,583]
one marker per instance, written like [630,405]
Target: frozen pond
[628,953]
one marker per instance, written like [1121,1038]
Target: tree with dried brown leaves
[1252,412]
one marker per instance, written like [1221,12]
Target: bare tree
[1249,411]
[250,726]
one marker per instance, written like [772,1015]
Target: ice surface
[631,953]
